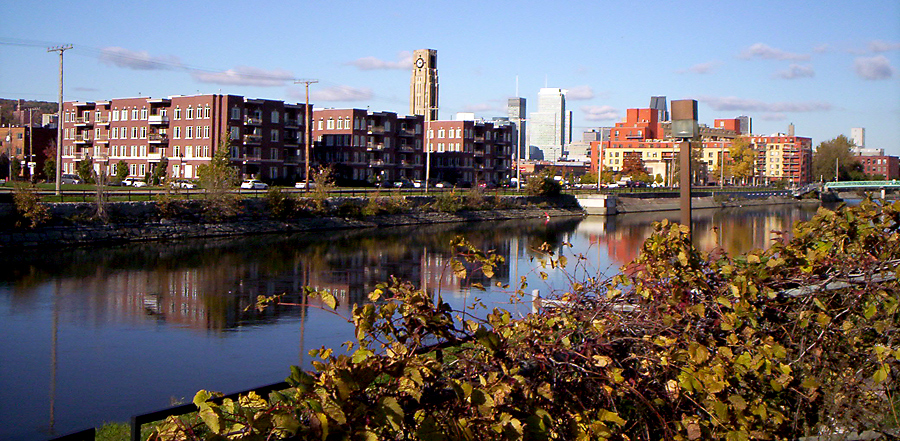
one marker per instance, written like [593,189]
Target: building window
[143,113]
[330,123]
[234,132]
[134,133]
[274,136]
[206,112]
[235,112]
[275,117]
[177,132]
[177,112]
[189,132]
[143,133]
[206,132]
[190,113]
[134,114]
[321,122]
[340,123]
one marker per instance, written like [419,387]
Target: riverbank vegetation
[799,339]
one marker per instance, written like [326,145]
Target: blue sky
[825,66]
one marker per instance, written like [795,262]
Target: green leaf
[329,299]
[880,375]
[612,417]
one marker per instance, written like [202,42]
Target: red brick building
[265,136]
[887,166]
[365,146]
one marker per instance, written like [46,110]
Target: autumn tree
[743,159]
[833,152]
[218,178]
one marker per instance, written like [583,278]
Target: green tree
[15,167]
[543,184]
[219,178]
[837,151]
[85,171]
[160,172]
[121,170]
[50,169]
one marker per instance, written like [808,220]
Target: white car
[302,184]
[69,179]
[133,182]
[181,183]
[254,184]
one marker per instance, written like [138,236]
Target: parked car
[69,179]
[443,184]
[134,182]
[403,183]
[254,184]
[302,184]
[418,183]
[182,183]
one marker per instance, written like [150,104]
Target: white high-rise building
[550,127]
[858,136]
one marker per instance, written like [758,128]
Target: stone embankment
[634,205]
[74,224]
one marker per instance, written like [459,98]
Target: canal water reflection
[99,334]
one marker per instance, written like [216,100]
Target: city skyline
[826,68]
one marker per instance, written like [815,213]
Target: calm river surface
[94,335]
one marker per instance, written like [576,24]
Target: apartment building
[471,152]
[782,157]
[27,145]
[364,146]
[265,136]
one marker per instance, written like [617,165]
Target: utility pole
[308,117]
[59,118]
[29,162]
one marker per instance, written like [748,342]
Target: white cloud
[138,60]
[404,61]
[245,76]
[580,93]
[883,46]
[874,68]
[760,50]
[600,113]
[822,48]
[337,93]
[702,68]
[796,71]
[730,103]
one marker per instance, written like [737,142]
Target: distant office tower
[549,126]
[791,129]
[858,136]
[423,87]
[746,124]
[659,103]
[515,108]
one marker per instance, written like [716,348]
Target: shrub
[797,340]
[31,212]
[543,184]
[281,204]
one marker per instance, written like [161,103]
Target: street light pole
[428,146]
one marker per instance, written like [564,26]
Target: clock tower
[423,87]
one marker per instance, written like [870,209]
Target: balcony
[374,146]
[406,148]
[373,130]
[253,121]
[83,139]
[158,119]
[408,133]
[82,121]
[103,121]
[158,138]
[407,164]
[291,141]
[293,160]
[102,139]
[376,162]
[292,123]
[252,139]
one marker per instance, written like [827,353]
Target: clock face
[420,62]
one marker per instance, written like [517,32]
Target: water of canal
[94,335]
